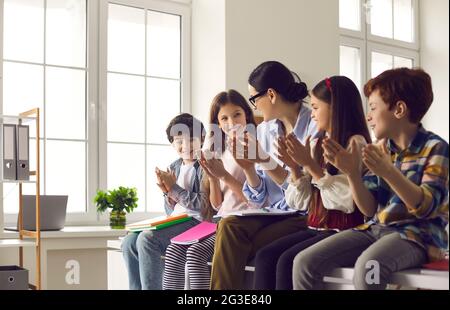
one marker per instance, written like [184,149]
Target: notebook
[259,212]
[195,234]
[171,223]
[153,222]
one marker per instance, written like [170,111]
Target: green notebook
[168,224]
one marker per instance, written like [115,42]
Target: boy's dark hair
[196,128]
[412,86]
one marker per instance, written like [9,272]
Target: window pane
[17,78]
[126,108]
[163,104]
[349,14]
[66,172]
[11,196]
[65,103]
[126,39]
[163,44]
[400,62]
[126,167]
[350,64]
[66,32]
[24,30]
[381,62]
[11,190]
[381,18]
[403,20]
[161,157]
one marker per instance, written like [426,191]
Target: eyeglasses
[252,99]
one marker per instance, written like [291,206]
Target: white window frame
[397,43]
[355,33]
[89,215]
[170,7]
[360,44]
[397,51]
[369,43]
[96,113]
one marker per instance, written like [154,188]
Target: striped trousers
[195,258]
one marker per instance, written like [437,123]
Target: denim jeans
[142,253]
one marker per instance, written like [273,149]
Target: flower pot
[117,219]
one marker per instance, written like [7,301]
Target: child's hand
[247,147]
[347,162]
[300,154]
[213,167]
[238,153]
[168,179]
[378,159]
[160,183]
[282,154]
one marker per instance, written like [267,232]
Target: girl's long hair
[347,119]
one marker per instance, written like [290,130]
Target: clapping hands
[166,179]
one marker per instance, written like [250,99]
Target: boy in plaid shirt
[405,192]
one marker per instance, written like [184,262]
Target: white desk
[84,245]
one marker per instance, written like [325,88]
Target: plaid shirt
[425,163]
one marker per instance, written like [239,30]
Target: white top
[231,202]
[183,180]
[334,189]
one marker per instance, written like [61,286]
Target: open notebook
[259,212]
[195,234]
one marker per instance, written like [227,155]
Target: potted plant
[118,200]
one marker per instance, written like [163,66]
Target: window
[349,15]
[392,19]
[144,88]
[388,40]
[44,65]
[108,76]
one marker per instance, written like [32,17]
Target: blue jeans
[142,253]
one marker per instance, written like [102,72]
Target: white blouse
[334,189]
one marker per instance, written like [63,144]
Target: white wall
[230,38]
[208,54]
[434,56]
[302,34]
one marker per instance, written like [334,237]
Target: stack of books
[157,223]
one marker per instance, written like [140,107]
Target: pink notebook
[195,234]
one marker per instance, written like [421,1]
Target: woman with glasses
[278,94]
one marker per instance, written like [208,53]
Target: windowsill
[73,232]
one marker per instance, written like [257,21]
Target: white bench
[341,279]
[338,279]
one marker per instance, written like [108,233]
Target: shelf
[13,243]
[11,119]
[32,117]
[17,181]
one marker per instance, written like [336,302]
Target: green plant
[120,199]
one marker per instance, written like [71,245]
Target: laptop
[53,213]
